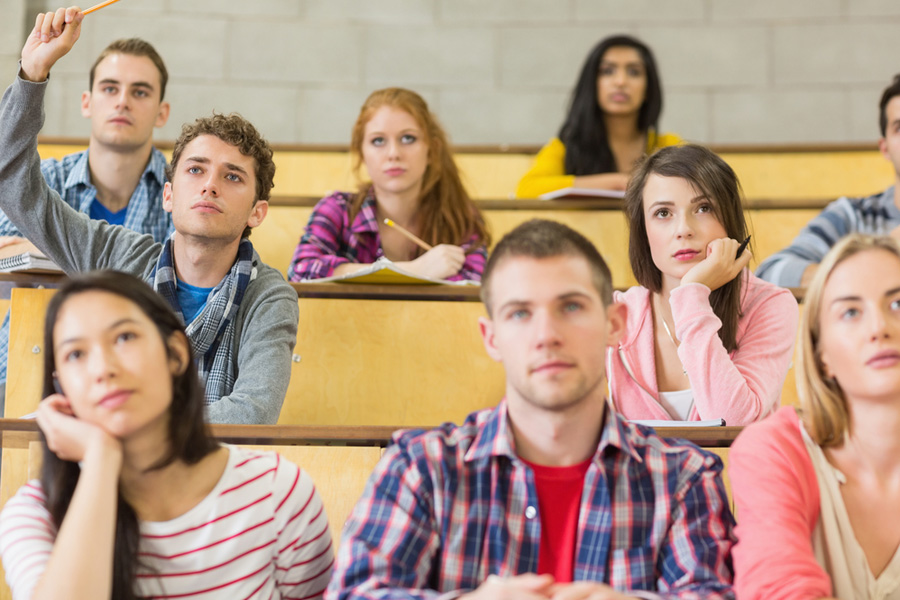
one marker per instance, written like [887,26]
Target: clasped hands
[541,587]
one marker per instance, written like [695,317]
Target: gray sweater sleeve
[267,322]
[265,339]
[71,239]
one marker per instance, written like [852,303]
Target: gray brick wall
[496,71]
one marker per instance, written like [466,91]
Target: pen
[742,247]
[422,243]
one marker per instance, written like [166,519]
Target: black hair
[584,131]
[886,96]
[189,438]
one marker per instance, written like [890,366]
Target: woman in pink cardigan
[706,339]
[818,492]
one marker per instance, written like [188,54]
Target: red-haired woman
[415,183]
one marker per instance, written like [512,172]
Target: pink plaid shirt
[331,240]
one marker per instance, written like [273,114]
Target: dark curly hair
[235,130]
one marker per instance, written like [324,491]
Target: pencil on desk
[99,6]
[422,243]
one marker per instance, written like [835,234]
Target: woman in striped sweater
[136,499]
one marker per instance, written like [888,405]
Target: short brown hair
[540,238]
[235,130]
[711,176]
[134,47]
[824,406]
[887,95]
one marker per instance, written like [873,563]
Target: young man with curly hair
[240,314]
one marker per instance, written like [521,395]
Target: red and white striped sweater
[261,533]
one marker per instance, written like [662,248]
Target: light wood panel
[772,173]
[789,395]
[774,229]
[383,362]
[25,364]
[606,229]
[276,239]
[785,175]
[827,174]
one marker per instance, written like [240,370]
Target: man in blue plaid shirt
[551,494]
[120,177]
[239,313]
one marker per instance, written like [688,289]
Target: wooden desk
[599,220]
[18,433]
[350,291]
[365,291]
[9,281]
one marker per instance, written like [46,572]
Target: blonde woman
[818,489]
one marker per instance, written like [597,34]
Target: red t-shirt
[559,491]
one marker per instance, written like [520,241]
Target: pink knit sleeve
[777,497]
[746,386]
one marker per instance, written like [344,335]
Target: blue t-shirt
[101,213]
[192,299]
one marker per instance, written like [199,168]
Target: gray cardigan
[266,324]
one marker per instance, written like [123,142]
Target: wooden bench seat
[490,172]
[357,362]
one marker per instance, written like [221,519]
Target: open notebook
[574,192]
[664,423]
[383,271]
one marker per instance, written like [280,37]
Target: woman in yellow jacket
[612,123]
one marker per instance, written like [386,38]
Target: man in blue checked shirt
[120,177]
[878,214]
[551,494]
[239,313]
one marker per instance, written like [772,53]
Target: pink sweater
[777,495]
[741,387]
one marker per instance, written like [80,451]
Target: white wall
[495,71]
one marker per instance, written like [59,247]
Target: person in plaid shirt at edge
[551,494]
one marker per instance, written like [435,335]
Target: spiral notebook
[28,261]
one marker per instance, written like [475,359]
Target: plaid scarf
[212,331]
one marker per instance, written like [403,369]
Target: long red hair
[447,213]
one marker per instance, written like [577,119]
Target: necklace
[672,337]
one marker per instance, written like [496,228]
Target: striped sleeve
[27,535]
[785,268]
[304,551]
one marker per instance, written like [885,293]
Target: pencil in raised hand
[99,6]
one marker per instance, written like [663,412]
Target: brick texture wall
[495,71]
